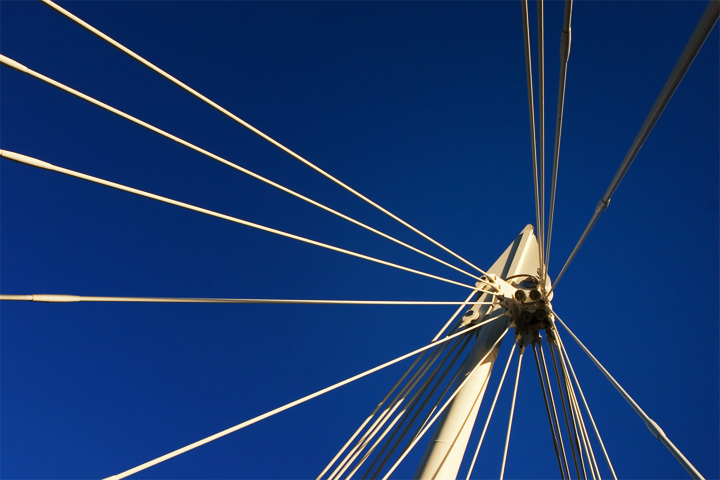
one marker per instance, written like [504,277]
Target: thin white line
[185,87]
[581,438]
[492,409]
[50,298]
[531,108]
[400,394]
[394,404]
[570,430]
[283,408]
[389,411]
[442,409]
[541,113]
[692,47]
[490,312]
[454,316]
[22,68]
[423,370]
[512,411]
[587,408]
[565,40]
[412,405]
[546,400]
[650,423]
[556,418]
[41,164]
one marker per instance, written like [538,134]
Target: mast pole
[445,453]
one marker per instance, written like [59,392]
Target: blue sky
[421,106]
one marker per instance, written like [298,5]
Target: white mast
[445,453]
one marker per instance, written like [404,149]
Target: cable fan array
[404,417]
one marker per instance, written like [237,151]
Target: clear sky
[421,106]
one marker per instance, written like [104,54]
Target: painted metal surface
[445,452]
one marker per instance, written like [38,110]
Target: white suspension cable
[512,411]
[577,413]
[421,428]
[469,412]
[488,315]
[262,135]
[698,37]
[389,411]
[412,403]
[541,108]
[576,417]
[556,418]
[416,406]
[650,423]
[397,384]
[587,445]
[492,409]
[34,162]
[347,444]
[565,411]
[381,419]
[49,298]
[22,68]
[442,409]
[287,406]
[454,315]
[553,431]
[531,108]
[565,39]
[587,408]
